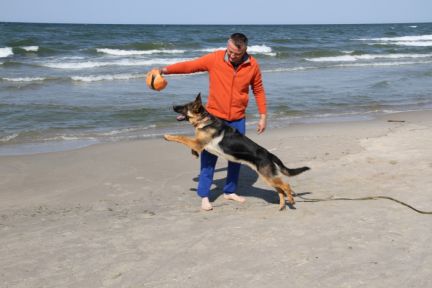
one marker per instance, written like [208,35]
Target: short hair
[239,39]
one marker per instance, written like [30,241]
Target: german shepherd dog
[213,135]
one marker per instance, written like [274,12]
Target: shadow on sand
[248,177]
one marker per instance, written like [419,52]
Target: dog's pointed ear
[198,99]
[197,104]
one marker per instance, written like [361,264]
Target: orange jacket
[228,88]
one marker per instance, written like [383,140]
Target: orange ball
[155,80]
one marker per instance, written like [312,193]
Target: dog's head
[193,111]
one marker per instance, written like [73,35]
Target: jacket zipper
[232,86]
[231,94]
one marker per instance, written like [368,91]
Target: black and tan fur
[213,135]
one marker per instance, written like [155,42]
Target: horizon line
[213,24]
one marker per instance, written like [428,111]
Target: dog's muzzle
[179,109]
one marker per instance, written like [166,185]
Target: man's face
[235,54]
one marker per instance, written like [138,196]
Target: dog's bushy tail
[294,171]
[288,171]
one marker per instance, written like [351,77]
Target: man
[231,72]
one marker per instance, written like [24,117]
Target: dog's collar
[204,122]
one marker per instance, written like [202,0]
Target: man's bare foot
[234,197]
[205,204]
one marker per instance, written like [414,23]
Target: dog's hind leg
[279,184]
[276,182]
[281,194]
[283,189]
[288,191]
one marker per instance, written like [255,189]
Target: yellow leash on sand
[331,198]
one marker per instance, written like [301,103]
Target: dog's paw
[195,153]
[169,137]
[291,201]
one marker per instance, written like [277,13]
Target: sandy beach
[127,215]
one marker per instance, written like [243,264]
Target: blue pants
[208,164]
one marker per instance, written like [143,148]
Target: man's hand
[162,70]
[262,123]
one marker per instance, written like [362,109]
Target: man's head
[237,46]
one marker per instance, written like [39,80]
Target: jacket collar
[246,59]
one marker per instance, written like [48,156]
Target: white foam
[370,64]
[126,130]
[282,69]
[30,48]
[398,63]
[65,138]
[5,52]
[353,58]
[76,65]
[119,52]
[122,62]
[94,78]
[261,49]
[254,49]
[413,26]
[8,138]
[409,43]
[67,58]
[24,79]
[419,40]
[211,49]
[334,59]
[403,38]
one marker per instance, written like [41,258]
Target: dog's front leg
[194,144]
[195,153]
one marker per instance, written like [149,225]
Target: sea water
[64,86]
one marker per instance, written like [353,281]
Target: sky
[216,12]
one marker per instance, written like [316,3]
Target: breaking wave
[254,49]
[5,52]
[419,41]
[353,58]
[120,52]
[24,79]
[94,78]
[121,62]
